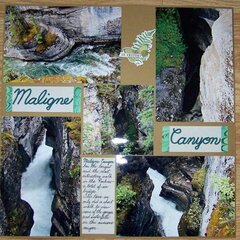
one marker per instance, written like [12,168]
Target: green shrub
[225,187]
[125,197]
[222,221]
[199,179]
[169,42]
[193,216]
[74,128]
[145,116]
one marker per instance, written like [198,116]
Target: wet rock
[179,172]
[178,189]
[60,48]
[3,219]
[169,92]
[29,133]
[82,24]
[216,72]
[17,215]
[141,220]
[66,176]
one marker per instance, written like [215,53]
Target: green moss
[169,41]
[107,91]
[74,129]
[192,218]
[222,221]
[87,144]
[74,171]
[14,221]
[126,199]
[199,179]
[145,116]
[223,217]
[6,139]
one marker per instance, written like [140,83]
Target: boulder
[60,48]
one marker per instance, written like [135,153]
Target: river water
[35,189]
[167,211]
[86,61]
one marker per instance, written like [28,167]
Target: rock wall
[82,24]
[216,73]
[179,172]
[221,167]
[63,27]
[66,177]
[20,139]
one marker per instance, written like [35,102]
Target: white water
[120,159]
[167,211]
[118,141]
[35,189]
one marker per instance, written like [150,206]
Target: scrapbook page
[117,125]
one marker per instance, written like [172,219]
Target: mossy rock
[222,223]
[199,179]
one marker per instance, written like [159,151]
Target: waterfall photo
[62,44]
[175,196]
[118,119]
[194,65]
[40,176]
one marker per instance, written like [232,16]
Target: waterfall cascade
[35,189]
[167,211]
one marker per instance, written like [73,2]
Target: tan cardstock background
[136,19]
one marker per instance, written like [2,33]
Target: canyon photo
[117,125]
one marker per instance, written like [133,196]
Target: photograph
[175,196]
[62,44]
[118,119]
[40,176]
[194,65]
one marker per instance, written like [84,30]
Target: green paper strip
[165,139]
[224,131]
[77,100]
[8,99]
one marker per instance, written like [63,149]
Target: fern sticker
[141,48]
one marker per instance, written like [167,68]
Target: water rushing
[35,189]
[167,211]
[82,61]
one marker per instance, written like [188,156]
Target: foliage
[15,222]
[225,187]
[74,128]
[45,41]
[125,197]
[145,116]
[222,221]
[107,91]
[74,171]
[199,179]
[7,138]
[23,32]
[87,131]
[169,42]
[107,129]
[193,216]
[128,148]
